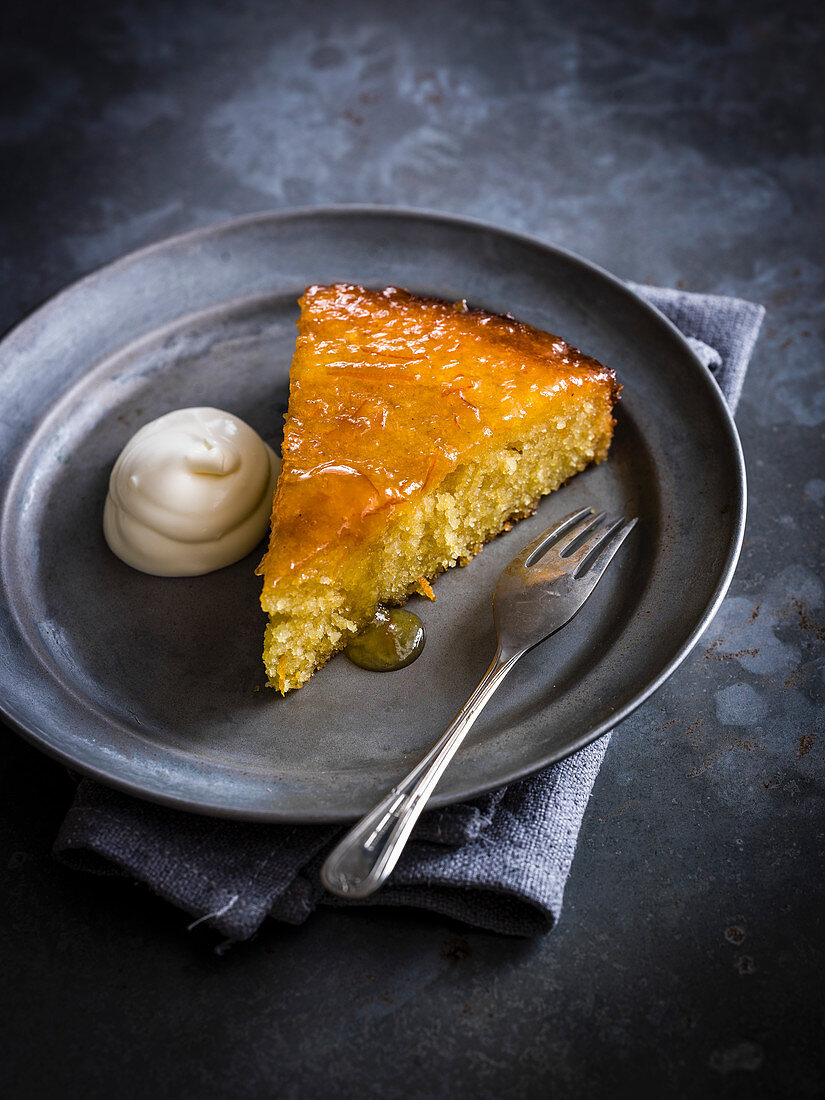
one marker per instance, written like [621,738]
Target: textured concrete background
[674,143]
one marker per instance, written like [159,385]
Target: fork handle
[358,865]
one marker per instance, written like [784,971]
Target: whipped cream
[190,492]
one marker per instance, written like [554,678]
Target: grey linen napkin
[499,862]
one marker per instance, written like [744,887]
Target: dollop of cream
[190,492]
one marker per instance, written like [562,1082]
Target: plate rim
[202,806]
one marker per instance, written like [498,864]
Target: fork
[538,593]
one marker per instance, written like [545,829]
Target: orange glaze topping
[390,392]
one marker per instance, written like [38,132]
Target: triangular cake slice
[417,430]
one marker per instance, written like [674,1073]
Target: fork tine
[598,553]
[580,533]
[580,547]
[533,550]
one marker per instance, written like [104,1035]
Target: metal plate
[156,685]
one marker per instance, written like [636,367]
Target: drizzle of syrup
[394,639]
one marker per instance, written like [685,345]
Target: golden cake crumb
[417,430]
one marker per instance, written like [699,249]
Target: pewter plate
[156,686]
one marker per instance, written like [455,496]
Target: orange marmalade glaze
[390,392]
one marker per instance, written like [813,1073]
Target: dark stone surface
[674,143]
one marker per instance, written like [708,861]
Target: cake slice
[417,430]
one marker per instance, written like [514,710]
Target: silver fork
[538,593]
